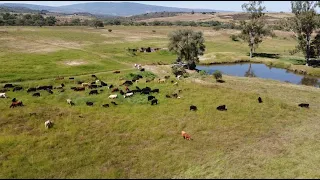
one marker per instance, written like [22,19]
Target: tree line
[14,19]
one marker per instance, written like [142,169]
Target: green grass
[275,139]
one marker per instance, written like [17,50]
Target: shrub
[178,70]
[217,75]
[203,72]
[109,30]
[153,31]
[234,37]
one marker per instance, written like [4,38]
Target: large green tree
[188,45]
[304,24]
[254,29]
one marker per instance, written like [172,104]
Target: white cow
[3,95]
[113,96]
[48,124]
[128,94]
[178,77]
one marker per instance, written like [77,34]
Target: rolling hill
[108,8]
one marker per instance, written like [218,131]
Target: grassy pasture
[275,139]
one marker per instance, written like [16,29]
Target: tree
[76,22]
[98,23]
[303,24]
[51,20]
[315,45]
[38,20]
[254,30]
[188,45]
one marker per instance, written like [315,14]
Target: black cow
[167,77]
[145,92]
[71,78]
[80,82]
[260,100]
[168,96]
[127,83]
[121,92]
[36,94]
[142,69]
[111,86]
[155,90]
[8,86]
[103,83]
[32,89]
[304,105]
[89,103]
[93,86]
[148,49]
[93,82]
[105,105]
[114,103]
[150,98]
[154,101]
[17,89]
[62,85]
[44,87]
[101,90]
[49,91]
[139,76]
[14,100]
[93,92]
[94,76]
[222,108]
[193,108]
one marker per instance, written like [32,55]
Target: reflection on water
[262,71]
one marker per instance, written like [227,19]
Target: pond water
[262,71]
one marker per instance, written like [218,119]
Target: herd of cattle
[98,83]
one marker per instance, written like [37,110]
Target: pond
[262,71]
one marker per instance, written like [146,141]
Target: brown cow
[185,135]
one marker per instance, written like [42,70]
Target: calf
[150,98]
[103,83]
[31,89]
[79,89]
[8,86]
[48,124]
[155,90]
[185,135]
[259,100]
[222,108]
[69,101]
[113,96]
[168,96]
[17,89]
[89,103]
[93,86]
[105,105]
[128,94]
[114,103]
[16,103]
[193,108]
[36,94]
[93,92]
[115,90]
[3,95]
[154,101]
[304,105]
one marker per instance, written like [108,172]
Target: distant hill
[4,9]
[109,8]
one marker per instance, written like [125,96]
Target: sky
[273,6]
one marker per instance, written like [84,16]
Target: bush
[217,75]
[178,70]
[234,37]
[109,30]
[153,31]
[203,72]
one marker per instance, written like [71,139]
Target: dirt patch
[75,62]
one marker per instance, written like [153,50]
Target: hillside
[109,8]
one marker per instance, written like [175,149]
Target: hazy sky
[275,6]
